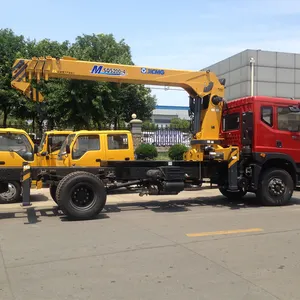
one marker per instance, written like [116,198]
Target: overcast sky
[175,34]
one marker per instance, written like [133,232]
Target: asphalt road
[206,248]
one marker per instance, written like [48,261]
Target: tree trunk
[5,115]
[50,125]
[40,128]
[33,124]
[115,123]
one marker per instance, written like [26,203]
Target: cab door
[55,142]
[87,151]
[265,128]
[118,147]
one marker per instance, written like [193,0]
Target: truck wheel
[13,194]
[52,190]
[276,187]
[232,195]
[81,195]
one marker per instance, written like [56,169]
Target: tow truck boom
[206,91]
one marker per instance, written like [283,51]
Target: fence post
[136,130]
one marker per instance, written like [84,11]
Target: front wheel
[275,188]
[81,195]
[13,194]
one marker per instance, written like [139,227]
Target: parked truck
[242,146]
[84,148]
[16,147]
[87,148]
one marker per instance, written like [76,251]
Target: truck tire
[81,195]
[275,188]
[52,190]
[235,196]
[13,194]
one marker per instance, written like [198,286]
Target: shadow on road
[173,206]
[31,214]
[38,198]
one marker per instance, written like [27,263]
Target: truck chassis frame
[81,192]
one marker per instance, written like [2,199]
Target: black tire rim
[276,187]
[83,196]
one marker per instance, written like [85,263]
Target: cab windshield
[67,141]
[56,141]
[18,143]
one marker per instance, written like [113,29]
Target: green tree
[180,124]
[11,48]
[107,103]
[73,103]
[148,125]
[46,47]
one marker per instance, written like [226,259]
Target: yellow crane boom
[194,82]
[205,89]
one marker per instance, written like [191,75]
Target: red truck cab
[267,132]
[275,126]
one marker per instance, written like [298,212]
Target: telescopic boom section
[205,89]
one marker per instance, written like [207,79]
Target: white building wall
[276,74]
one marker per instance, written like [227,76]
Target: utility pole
[252,61]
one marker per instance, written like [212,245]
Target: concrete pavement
[187,248]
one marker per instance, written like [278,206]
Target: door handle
[278,144]
[2,162]
[98,160]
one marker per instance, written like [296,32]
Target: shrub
[176,151]
[146,151]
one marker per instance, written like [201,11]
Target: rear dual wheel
[81,195]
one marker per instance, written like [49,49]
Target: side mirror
[35,149]
[68,150]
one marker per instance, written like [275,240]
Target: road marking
[224,232]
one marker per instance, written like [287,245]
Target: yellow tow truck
[16,147]
[88,148]
[60,148]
